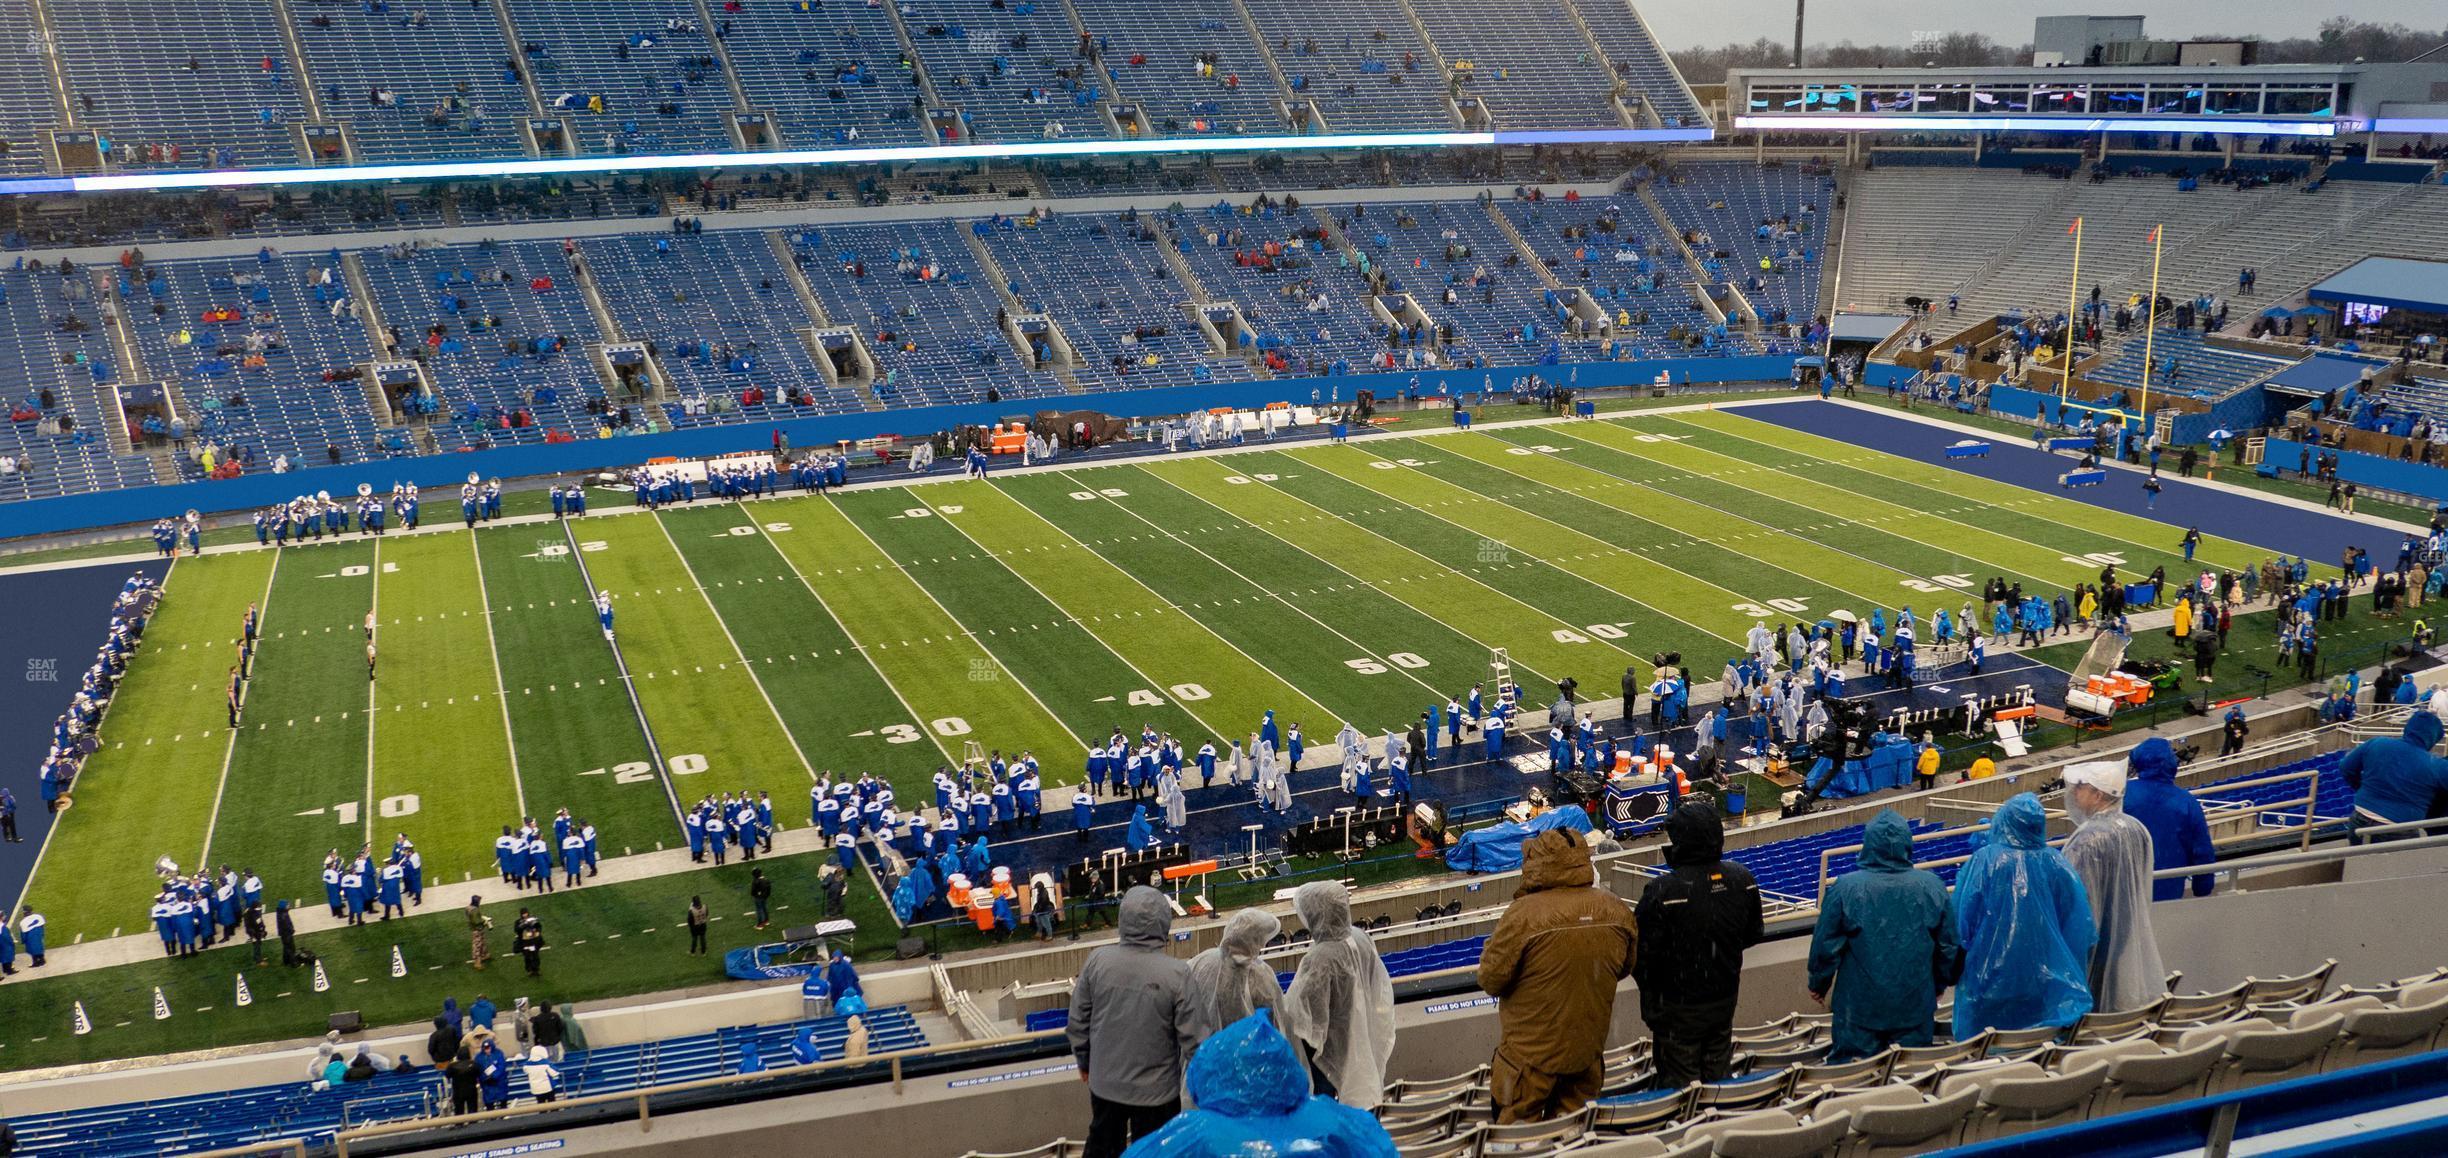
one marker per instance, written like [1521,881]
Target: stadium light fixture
[1014,150]
[2037,124]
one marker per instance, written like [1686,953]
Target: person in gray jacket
[1130,1027]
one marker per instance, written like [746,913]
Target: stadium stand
[445,302]
[1361,61]
[216,88]
[393,75]
[913,282]
[827,72]
[1533,66]
[1013,70]
[664,90]
[312,1113]
[1784,1098]
[1638,61]
[1192,66]
[59,349]
[2186,365]
[721,311]
[1119,305]
[1755,213]
[28,104]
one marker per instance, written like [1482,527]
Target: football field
[883,629]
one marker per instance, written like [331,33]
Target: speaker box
[347,1021]
[909,948]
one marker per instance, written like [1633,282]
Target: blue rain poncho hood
[1885,942]
[2398,780]
[2423,730]
[2179,832]
[2025,925]
[1253,1099]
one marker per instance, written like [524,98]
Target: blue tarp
[2324,372]
[1889,765]
[778,962]
[1499,849]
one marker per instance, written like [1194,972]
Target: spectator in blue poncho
[2180,834]
[1885,945]
[1139,836]
[842,980]
[2026,929]
[2397,780]
[1253,1098]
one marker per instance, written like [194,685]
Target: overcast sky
[1689,23]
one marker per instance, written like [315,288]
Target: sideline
[1067,462]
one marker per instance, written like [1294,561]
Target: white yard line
[1379,588]
[449,527]
[230,754]
[745,665]
[1729,480]
[373,608]
[916,720]
[1271,593]
[2107,536]
[1446,569]
[501,693]
[1748,555]
[620,664]
[885,555]
[1604,547]
[1177,608]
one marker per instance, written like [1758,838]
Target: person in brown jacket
[1553,964]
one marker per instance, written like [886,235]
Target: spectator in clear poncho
[1340,1008]
[1232,980]
[2110,853]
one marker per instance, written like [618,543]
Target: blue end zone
[60,618]
[2226,514]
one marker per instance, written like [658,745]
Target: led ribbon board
[2038,123]
[579,166]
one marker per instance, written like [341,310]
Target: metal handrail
[640,1096]
[2322,855]
[2305,802]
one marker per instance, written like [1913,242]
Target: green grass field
[882,630]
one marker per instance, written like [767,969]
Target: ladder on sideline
[1500,664]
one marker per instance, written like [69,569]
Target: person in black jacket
[463,1076]
[291,955]
[549,1028]
[760,893]
[255,930]
[1694,924]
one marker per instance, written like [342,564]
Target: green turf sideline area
[576,739]
[297,780]
[602,941]
[154,795]
[883,628]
